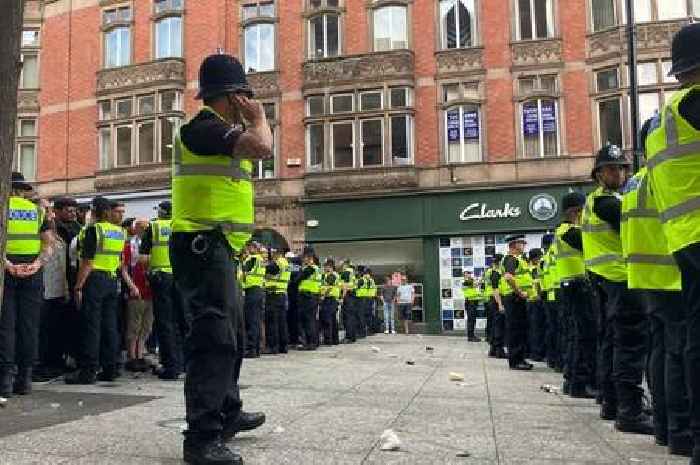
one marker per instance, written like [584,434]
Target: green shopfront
[433,237]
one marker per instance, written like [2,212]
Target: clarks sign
[481,211]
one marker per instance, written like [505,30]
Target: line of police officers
[618,288]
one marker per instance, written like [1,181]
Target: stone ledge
[357,182]
[650,36]
[156,175]
[536,52]
[370,67]
[460,61]
[166,71]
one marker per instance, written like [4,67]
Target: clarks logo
[481,211]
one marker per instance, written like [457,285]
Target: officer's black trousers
[470,309]
[667,380]
[566,337]
[498,337]
[489,320]
[538,326]
[629,346]
[55,332]
[98,312]
[516,328]
[688,260]
[361,312]
[215,341]
[254,309]
[169,321]
[552,333]
[276,322]
[19,322]
[349,317]
[308,308]
[576,296]
[329,321]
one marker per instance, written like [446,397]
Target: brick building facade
[368,98]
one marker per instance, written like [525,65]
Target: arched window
[457,23]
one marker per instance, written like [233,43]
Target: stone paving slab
[331,406]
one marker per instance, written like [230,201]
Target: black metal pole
[634,88]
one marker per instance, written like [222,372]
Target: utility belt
[201,241]
[272,291]
[310,294]
[105,274]
[577,281]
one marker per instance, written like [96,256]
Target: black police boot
[695,459]
[81,377]
[167,374]
[492,352]
[582,391]
[641,424]
[107,375]
[522,366]
[681,445]
[23,382]
[608,411]
[6,383]
[566,388]
[500,353]
[211,452]
[245,421]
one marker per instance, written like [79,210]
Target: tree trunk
[11,20]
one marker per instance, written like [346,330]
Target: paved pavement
[331,407]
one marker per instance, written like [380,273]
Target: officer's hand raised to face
[256,142]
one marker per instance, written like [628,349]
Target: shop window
[324,35]
[259,36]
[534,19]
[390,28]
[457,23]
[144,136]
[603,13]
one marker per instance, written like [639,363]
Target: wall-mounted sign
[543,207]
[481,211]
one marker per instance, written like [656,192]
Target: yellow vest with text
[371,288]
[212,192]
[110,245]
[160,252]
[673,160]
[602,247]
[570,264]
[312,284]
[520,275]
[650,265]
[471,293]
[278,283]
[361,287]
[256,276]
[23,225]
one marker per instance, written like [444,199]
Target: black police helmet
[573,199]
[685,54]
[609,155]
[19,183]
[222,74]
[166,206]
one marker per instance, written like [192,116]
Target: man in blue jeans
[388,297]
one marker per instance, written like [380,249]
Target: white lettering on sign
[481,211]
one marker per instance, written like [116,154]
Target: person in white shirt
[405,296]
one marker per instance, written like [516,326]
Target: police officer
[329,306]
[498,332]
[28,245]
[309,293]
[349,308]
[213,218]
[97,294]
[370,305]
[652,272]
[673,160]
[169,322]
[471,301]
[278,273]
[254,287]
[514,299]
[623,322]
[576,297]
[535,308]
[549,300]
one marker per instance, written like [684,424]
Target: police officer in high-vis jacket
[623,324]
[254,304]
[512,291]
[213,218]
[28,245]
[169,318]
[673,161]
[278,273]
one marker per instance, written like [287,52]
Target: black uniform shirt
[249,264]
[88,247]
[330,279]
[689,109]
[573,238]
[495,279]
[207,134]
[307,272]
[609,209]
[272,269]
[510,264]
[146,241]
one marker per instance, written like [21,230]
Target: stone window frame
[373,5]
[477,36]
[105,28]
[245,22]
[327,119]
[311,12]
[560,109]
[274,122]
[31,140]
[515,22]
[467,97]
[133,121]
[156,17]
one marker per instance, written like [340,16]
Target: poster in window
[549,117]
[453,126]
[531,121]
[471,125]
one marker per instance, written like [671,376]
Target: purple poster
[471,125]
[549,117]
[531,123]
[453,126]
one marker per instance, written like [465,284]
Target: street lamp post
[634,88]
